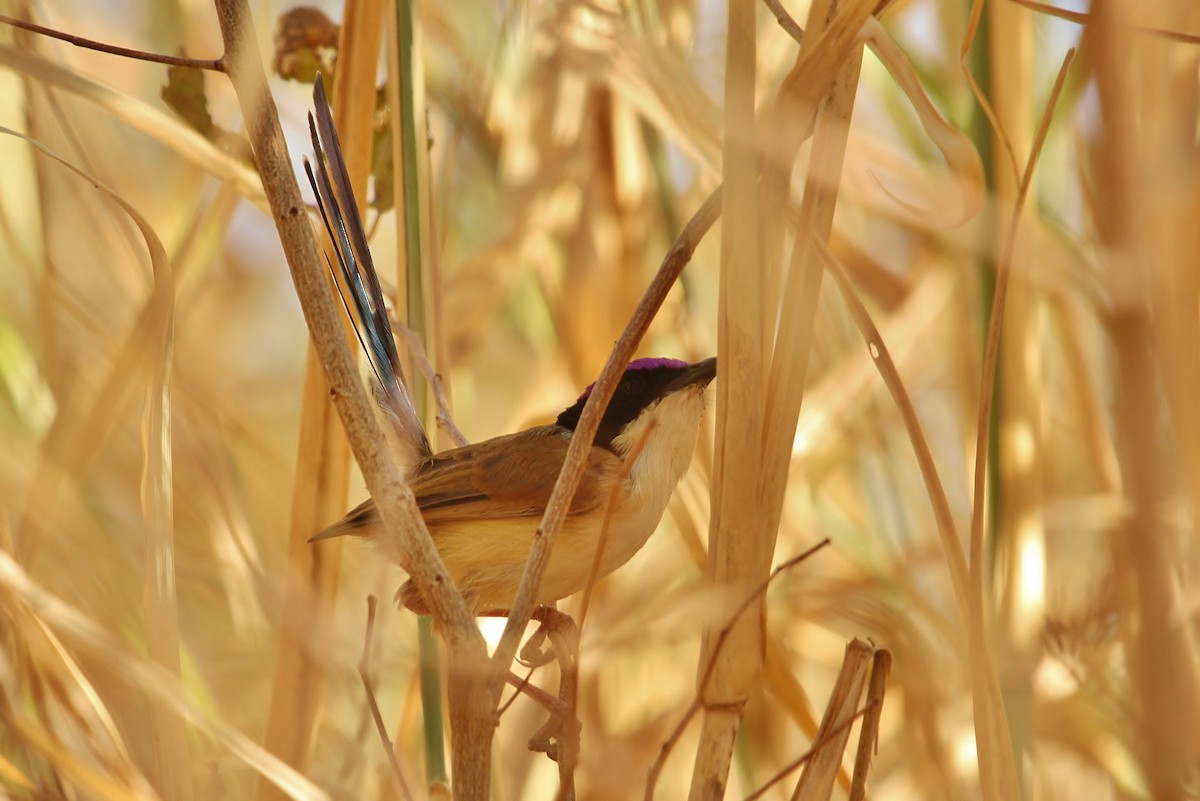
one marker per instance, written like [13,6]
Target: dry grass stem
[868,736]
[759,400]
[820,772]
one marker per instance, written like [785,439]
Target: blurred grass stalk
[320,486]
[819,774]
[738,549]
[1008,567]
[1147,173]
[415,255]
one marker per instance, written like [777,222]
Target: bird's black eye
[633,385]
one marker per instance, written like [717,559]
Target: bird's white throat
[669,428]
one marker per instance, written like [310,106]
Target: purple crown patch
[645,363]
[652,362]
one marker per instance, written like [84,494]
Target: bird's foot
[559,736]
[563,634]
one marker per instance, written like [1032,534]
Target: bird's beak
[699,374]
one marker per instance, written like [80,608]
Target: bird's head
[663,397]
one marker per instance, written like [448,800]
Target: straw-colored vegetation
[954,294]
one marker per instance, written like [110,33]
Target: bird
[483,502]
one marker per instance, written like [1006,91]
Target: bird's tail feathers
[356,279]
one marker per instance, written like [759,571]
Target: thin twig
[785,20]
[669,744]
[364,674]
[215,64]
[520,684]
[417,350]
[1083,17]
[810,753]
[585,432]
[542,698]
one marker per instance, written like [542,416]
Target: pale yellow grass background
[569,145]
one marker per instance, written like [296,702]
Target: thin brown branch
[533,692]
[669,744]
[520,684]
[1082,18]
[585,432]
[215,64]
[785,20]
[810,753]
[373,704]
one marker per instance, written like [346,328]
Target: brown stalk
[1145,179]
[734,538]
[472,711]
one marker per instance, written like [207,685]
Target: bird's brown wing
[484,480]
